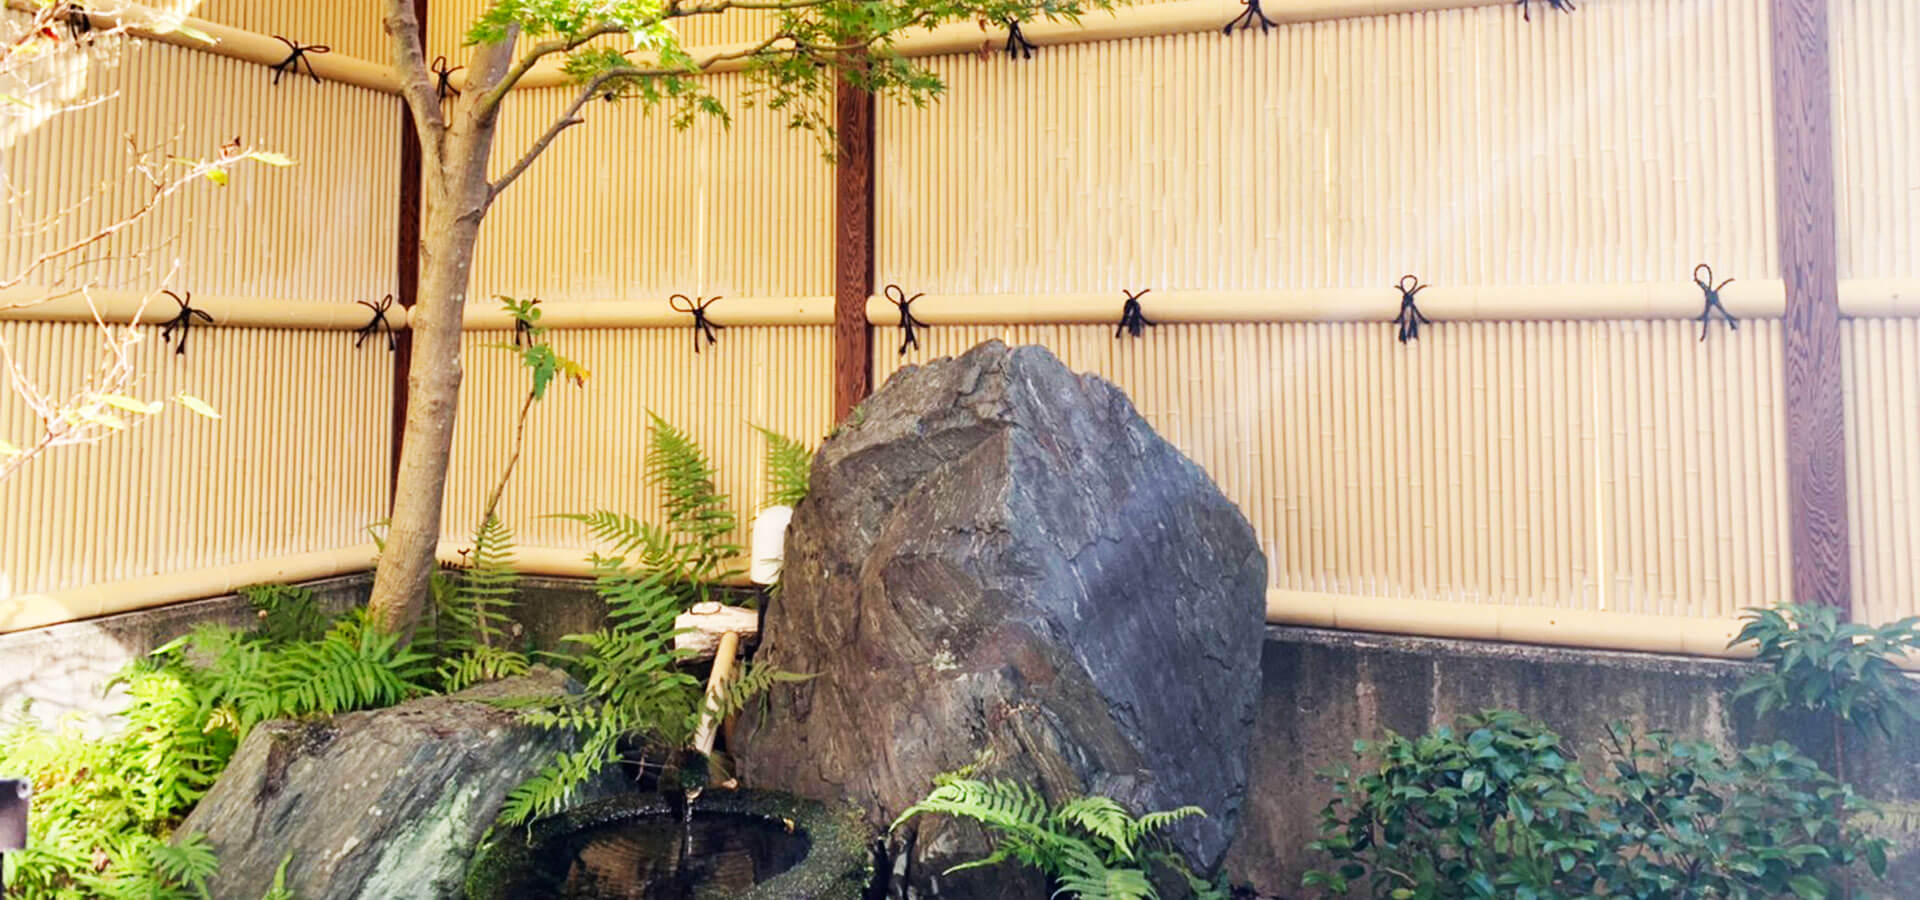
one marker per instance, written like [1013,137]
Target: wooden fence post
[852,248]
[1804,194]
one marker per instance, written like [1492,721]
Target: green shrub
[1497,807]
[1494,807]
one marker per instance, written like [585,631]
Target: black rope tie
[1712,293]
[1133,319]
[79,24]
[377,323]
[1410,318]
[1526,6]
[907,322]
[445,88]
[1018,47]
[296,57]
[182,320]
[1246,19]
[701,324]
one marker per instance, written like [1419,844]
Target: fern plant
[1091,847]
[470,629]
[699,517]
[789,463]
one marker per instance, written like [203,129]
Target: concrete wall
[64,668]
[1323,689]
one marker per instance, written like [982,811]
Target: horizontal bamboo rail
[1684,635]
[660,314]
[34,610]
[262,49]
[131,307]
[555,562]
[1758,299]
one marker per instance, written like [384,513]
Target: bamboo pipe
[122,307]
[253,47]
[21,612]
[659,314]
[1880,298]
[1760,299]
[716,691]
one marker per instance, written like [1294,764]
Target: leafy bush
[1090,846]
[1766,822]
[1498,807]
[1841,669]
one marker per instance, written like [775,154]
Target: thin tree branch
[417,85]
[497,94]
[593,88]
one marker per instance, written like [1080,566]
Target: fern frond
[482,664]
[287,612]
[789,463]
[755,680]
[698,514]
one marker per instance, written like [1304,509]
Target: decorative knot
[297,56]
[697,307]
[1133,318]
[445,88]
[1410,317]
[1526,6]
[183,320]
[907,322]
[1246,19]
[1711,292]
[377,323]
[1018,47]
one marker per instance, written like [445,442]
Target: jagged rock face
[999,554]
[383,804]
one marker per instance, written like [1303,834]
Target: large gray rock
[384,804]
[999,554]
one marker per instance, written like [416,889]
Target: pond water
[711,856]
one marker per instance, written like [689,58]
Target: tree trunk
[457,196]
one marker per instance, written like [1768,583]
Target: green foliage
[243,680]
[530,345]
[1495,808]
[637,694]
[471,625]
[807,46]
[1690,823]
[104,809]
[1498,807]
[1090,846]
[789,464]
[1817,662]
[287,613]
[699,517]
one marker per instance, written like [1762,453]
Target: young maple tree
[613,50]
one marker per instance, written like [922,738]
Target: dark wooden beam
[1804,192]
[852,248]
[406,271]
